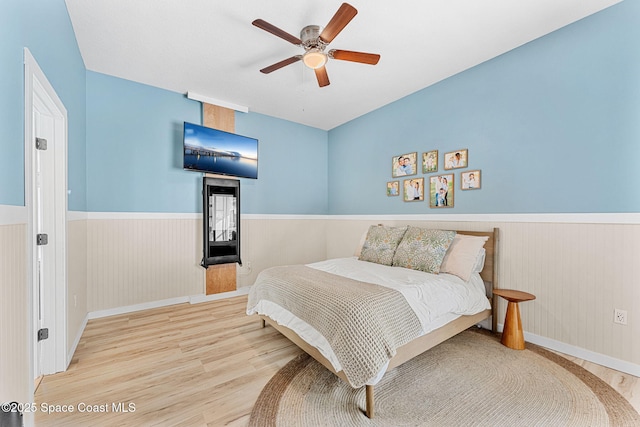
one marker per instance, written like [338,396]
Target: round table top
[514,295]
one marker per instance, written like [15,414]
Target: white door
[46,200]
[44,225]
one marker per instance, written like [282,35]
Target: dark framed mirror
[221,221]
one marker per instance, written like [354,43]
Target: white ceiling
[210,47]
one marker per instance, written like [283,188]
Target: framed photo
[456,159]
[405,164]
[414,190]
[441,191]
[393,188]
[430,161]
[470,180]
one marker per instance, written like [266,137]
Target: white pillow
[461,258]
[479,265]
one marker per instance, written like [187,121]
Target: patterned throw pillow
[423,249]
[381,244]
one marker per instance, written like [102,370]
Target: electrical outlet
[245,269]
[620,316]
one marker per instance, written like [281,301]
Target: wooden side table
[512,335]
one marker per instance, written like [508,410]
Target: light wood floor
[189,365]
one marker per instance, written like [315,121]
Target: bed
[407,290]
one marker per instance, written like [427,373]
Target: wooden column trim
[217,117]
[221,277]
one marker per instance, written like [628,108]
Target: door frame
[36,86]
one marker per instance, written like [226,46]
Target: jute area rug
[469,380]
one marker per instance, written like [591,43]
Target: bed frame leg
[264,323]
[370,406]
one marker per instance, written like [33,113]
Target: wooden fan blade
[322,76]
[349,55]
[281,64]
[343,16]
[264,25]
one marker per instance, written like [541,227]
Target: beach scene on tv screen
[215,151]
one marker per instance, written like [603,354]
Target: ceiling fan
[314,40]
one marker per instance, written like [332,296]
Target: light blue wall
[134,140]
[134,155]
[11,104]
[51,40]
[44,27]
[553,125]
[292,168]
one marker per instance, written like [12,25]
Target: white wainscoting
[76,280]
[580,267]
[14,321]
[134,259]
[268,241]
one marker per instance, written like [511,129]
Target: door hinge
[41,144]
[42,239]
[43,334]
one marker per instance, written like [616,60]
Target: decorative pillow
[423,249]
[462,256]
[381,244]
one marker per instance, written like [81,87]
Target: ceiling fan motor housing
[310,36]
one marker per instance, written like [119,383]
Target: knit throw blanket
[363,322]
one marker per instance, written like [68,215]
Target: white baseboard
[72,351]
[136,307]
[195,299]
[591,356]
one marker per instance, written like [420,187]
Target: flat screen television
[215,151]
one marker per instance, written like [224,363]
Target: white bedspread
[436,299]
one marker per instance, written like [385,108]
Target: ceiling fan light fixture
[314,58]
